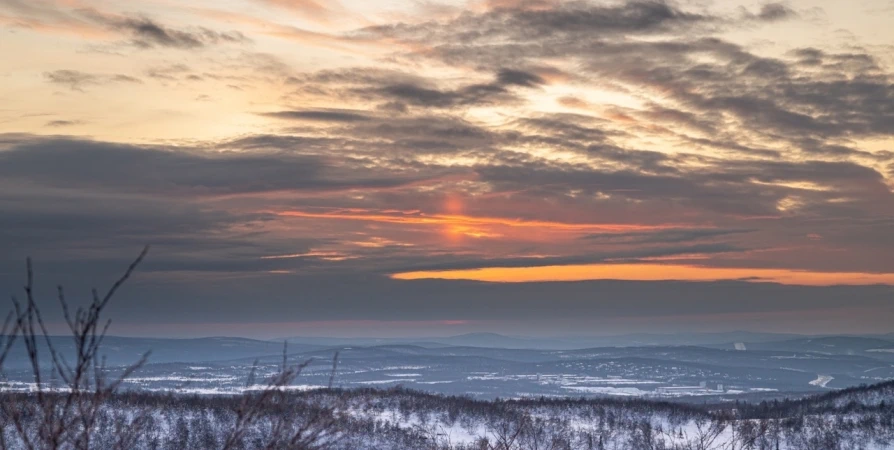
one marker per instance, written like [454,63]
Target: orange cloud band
[651,272]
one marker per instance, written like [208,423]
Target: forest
[368,419]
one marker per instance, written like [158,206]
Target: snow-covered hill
[398,419]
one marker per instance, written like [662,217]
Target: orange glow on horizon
[650,272]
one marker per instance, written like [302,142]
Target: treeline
[857,399]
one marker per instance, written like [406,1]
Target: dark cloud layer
[662,304]
[71,163]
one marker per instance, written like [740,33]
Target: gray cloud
[171,72]
[66,199]
[474,94]
[90,164]
[665,236]
[143,32]
[775,11]
[79,81]
[323,115]
[562,22]
[74,79]
[842,96]
[148,33]
[63,123]
[731,187]
[397,90]
[717,186]
[519,78]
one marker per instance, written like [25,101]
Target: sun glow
[416,218]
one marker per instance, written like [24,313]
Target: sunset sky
[436,167]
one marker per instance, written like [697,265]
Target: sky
[438,167]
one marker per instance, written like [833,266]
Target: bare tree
[68,416]
[707,431]
[314,431]
[508,433]
[63,417]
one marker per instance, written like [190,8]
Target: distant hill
[494,340]
[831,345]
[488,340]
[127,350]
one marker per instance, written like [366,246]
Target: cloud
[666,236]
[62,196]
[739,176]
[63,123]
[79,81]
[775,11]
[142,31]
[809,97]
[581,20]
[519,78]
[400,90]
[172,72]
[839,96]
[210,212]
[732,187]
[72,78]
[147,33]
[474,94]
[328,115]
[69,162]
[520,4]
[589,258]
